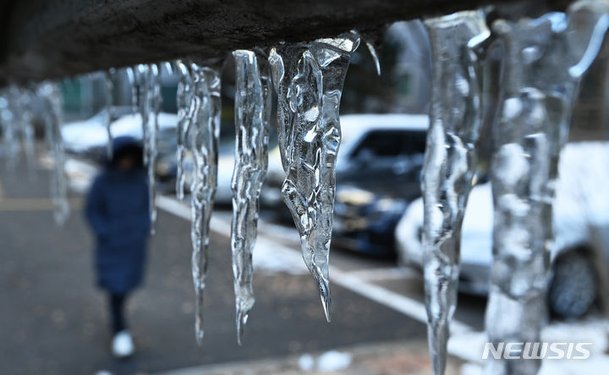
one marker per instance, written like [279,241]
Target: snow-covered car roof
[89,134]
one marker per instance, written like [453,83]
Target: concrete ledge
[42,39]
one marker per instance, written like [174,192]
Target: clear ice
[109,89]
[147,78]
[24,105]
[8,122]
[51,96]
[308,79]
[185,118]
[375,57]
[450,162]
[252,123]
[544,60]
[203,136]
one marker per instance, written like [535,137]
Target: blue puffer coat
[117,211]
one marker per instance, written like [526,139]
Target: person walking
[118,214]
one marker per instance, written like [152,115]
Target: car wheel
[574,286]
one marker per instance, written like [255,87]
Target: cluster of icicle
[17,108]
[308,80]
[542,64]
[543,61]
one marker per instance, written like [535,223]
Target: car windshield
[391,144]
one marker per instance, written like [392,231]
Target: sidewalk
[382,359]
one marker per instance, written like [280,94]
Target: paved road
[53,319]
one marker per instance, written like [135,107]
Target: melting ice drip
[308,79]
[203,135]
[252,122]
[450,162]
[185,117]
[147,79]
[51,96]
[544,61]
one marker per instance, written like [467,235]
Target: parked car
[377,173]
[89,138]
[581,226]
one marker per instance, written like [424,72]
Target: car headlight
[355,196]
[391,205]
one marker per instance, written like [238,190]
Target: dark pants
[116,303]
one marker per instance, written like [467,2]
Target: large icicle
[450,162]
[185,114]
[308,79]
[544,61]
[204,137]
[51,95]
[252,121]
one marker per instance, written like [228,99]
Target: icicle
[450,162]
[109,89]
[51,95]
[27,128]
[544,61]
[8,121]
[149,101]
[205,134]
[252,121]
[150,147]
[132,78]
[309,79]
[375,57]
[185,117]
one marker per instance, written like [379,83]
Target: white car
[580,218]
[91,136]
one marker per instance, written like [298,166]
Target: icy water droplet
[308,80]
[252,123]
[450,162]
[533,126]
[205,129]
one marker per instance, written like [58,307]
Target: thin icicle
[375,57]
[51,95]
[27,128]
[149,102]
[252,121]
[545,59]
[150,147]
[109,90]
[8,122]
[185,118]
[204,135]
[309,79]
[133,81]
[450,162]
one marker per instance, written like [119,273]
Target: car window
[391,144]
